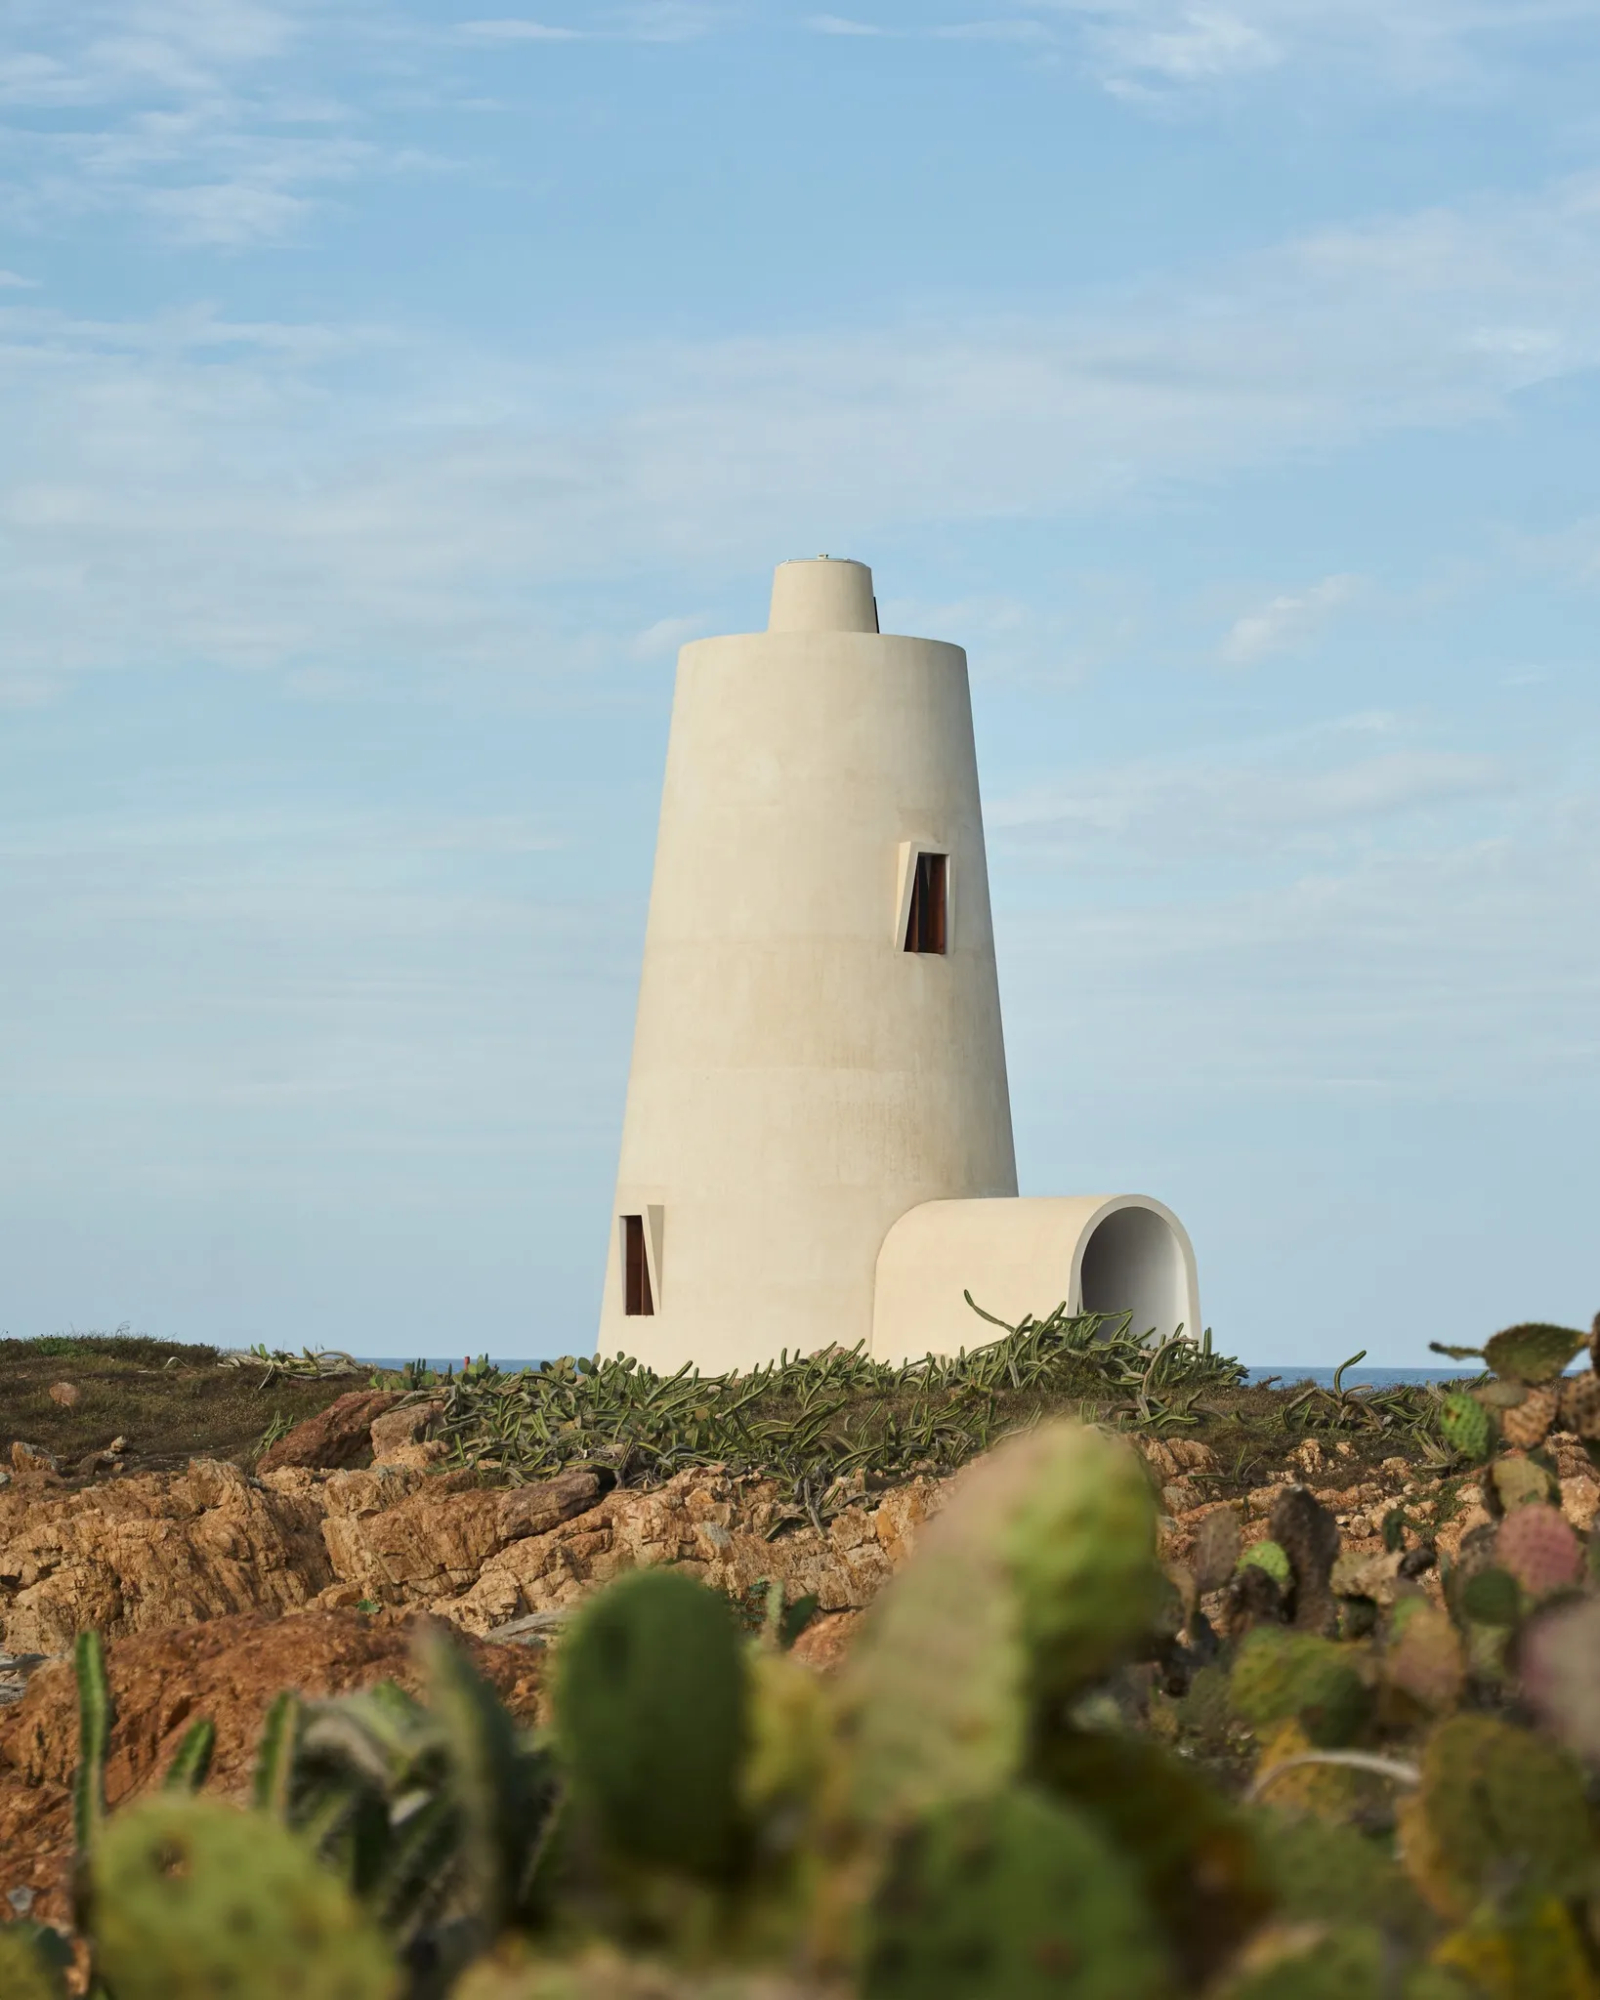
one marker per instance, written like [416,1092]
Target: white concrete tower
[818,1046]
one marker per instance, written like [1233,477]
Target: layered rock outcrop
[135,1554]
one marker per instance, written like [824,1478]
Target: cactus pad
[1035,1577]
[1080,1551]
[1518,1482]
[1557,1655]
[1498,1808]
[191,1898]
[1333,1874]
[1194,1854]
[650,1702]
[1282,1676]
[1538,1952]
[1424,1659]
[1312,1962]
[25,1974]
[1539,1549]
[1271,1557]
[1216,1549]
[1528,1423]
[1014,1895]
[1533,1353]
[1466,1425]
[1580,1404]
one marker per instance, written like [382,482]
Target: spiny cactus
[1528,1423]
[1309,1536]
[190,1898]
[1466,1425]
[1536,1950]
[96,1714]
[1580,1404]
[1533,1353]
[1323,1873]
[1271,1557]
[1195,1856]
[1491,1596]
[1519,1482]
[1423,1660]
[1012,1895]
[1538,1548]
[1558,1651]
[1080,1550]
[31,1963]
[651,1704]
[1279,1676]
[1039,1574]
[1498,1808]
[1216,1549]
[1312,1962]
[192,1759]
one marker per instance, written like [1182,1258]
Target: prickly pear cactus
[189,1898]
[1312,1962]
[1296,1676]
[1034,1579]
[1196,1857]
[1538,1548]
[1423,1661]
[1498,1809]
[1271,1557]
[1527,1424]
[1324,1873]
[1580,1404]
[1013,1895]
[1466,1425]
[1533,1353]
[1538,1951]
[1080,1550]
[650,1705]
[25,1971]
[1519,1482]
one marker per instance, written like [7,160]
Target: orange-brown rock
[339,1435]
[133,1554]
[161,1682]
[161,1549]
[713,1525]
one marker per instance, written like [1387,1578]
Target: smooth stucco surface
[800,1081]
[1098,1253]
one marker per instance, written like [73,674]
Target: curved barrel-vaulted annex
[817,1143]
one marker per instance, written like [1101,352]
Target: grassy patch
[169,1401]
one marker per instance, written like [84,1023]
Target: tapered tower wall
[800,1080]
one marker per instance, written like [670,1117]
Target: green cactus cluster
[1047,1769]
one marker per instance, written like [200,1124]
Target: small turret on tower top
[822,594]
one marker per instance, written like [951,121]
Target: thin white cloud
[514,30]
[13,281]
[836,24]
[1286,621]
[1143,46]
[436,492]
[992,31]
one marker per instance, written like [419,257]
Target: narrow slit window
[637,1300]
[927,923]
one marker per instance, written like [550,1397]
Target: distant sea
[1287,1372]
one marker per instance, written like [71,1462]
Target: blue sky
[387,390]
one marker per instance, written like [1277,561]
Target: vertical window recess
[637,1300]
[927,923]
